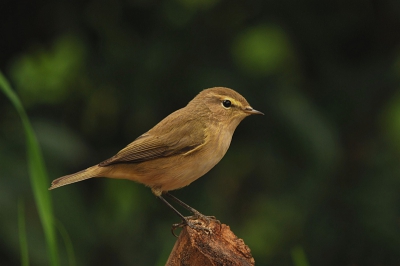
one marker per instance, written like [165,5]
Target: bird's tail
[94,171]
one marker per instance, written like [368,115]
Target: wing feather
[171,136]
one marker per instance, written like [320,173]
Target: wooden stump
[214,245]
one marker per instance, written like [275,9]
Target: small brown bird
[181,148]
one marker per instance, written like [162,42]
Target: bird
[181,148]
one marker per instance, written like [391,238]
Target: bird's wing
[183,138]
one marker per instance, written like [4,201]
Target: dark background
[318,175]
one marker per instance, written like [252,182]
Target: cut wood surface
[209,243]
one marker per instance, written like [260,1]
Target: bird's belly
[194,165]
[188,171]
[168,173]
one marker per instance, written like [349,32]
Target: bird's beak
[252,111]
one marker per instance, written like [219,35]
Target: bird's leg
[185,221]
[172,207]
[196,213]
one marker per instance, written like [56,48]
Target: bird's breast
[193,165]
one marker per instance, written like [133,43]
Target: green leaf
[23,242]
[37,171]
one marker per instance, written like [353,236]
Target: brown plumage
[181,148]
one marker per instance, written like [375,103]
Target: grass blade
[67,242]
[38,175]
[23,242]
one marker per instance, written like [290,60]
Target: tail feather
[94,171]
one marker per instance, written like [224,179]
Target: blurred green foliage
[45,76]
[314,182]
[262,50]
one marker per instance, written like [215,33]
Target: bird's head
[223,105]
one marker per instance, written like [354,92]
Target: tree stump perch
[214,244]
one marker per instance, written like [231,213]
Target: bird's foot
[199,216]
[197,221]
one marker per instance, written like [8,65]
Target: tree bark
[209,243]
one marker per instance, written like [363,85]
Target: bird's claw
[202,217]
[197,225]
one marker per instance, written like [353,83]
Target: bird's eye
[226,103]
